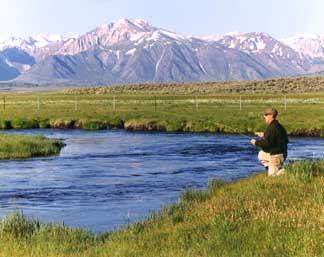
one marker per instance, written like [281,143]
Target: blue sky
[280,18]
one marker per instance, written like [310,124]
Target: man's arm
[268,140]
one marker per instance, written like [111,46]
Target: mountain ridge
[134,51]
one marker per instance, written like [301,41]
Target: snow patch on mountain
[42,40]
[131,52]
[220,36]
[159,61]
[172,35]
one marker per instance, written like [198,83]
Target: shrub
[5,124]
[24,124]
[305,170]
[175,125]
[18,226]
[94,125]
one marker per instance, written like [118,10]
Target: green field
[258,216]
[212,107]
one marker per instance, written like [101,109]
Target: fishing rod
[220,125]
[234,130]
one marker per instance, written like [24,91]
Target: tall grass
[21,236]
[257,216]
[19,146]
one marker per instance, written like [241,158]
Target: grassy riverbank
[257,216]
[19,147]
[229,107]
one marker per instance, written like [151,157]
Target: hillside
[282,85]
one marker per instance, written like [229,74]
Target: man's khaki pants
[274,163]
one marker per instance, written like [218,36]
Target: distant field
[283,85]
[224,107]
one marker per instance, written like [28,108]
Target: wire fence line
[154,103]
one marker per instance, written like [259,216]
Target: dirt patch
[138,125]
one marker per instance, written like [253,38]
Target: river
[105,179]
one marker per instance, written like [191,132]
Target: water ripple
[102,177]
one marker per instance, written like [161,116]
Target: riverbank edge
[15,147]
[22,236]
[143,124]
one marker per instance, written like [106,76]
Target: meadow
[229,107]
[256,216]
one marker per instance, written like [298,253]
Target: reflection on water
[102,179]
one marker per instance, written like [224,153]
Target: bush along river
[105,179]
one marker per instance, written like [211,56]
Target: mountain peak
[133,25]
[126,25]
[309,45]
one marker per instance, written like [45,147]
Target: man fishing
[273,144]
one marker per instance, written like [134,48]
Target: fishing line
[234,130]
[217,123]
[220,125]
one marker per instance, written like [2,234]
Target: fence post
[240,103]
[38,103]
[196,102]
[4,103]
[114,103]
[76,103]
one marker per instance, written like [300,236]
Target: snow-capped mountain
[309,45]
[29,45]
[255,42]
[131,51]
[127,31]
[262,45]
[134,51]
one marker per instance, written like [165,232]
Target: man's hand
[253,141]
[259,134]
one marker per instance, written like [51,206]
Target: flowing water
[105,179]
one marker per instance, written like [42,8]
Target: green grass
[257,216]
[21,146]
[166,108]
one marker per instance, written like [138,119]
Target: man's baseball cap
[272,111]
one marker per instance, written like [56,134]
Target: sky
[279,18]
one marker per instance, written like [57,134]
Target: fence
[133,103]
